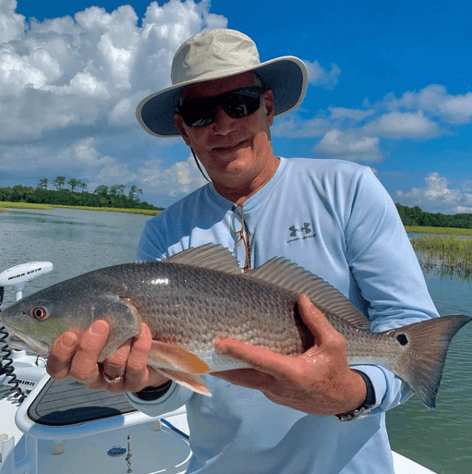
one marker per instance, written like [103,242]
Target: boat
[52,426]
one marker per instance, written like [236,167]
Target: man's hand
[126,370]
[318,381]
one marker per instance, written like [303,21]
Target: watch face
[360,413]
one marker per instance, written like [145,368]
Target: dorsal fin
[290,276]
[209,256]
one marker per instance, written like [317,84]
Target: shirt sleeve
[151,243]
[388,275]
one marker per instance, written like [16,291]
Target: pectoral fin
[175,358]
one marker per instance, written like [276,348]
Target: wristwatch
[366,407]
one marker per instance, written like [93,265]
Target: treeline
[417,217]
[76,195]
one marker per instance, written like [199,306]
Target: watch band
[149,394]
[366,407]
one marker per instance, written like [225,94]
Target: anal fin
[190,381]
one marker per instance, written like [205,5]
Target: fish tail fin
[190,381]
[425,346]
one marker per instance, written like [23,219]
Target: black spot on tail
[402,339]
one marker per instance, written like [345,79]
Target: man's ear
[269,102]
[179,123]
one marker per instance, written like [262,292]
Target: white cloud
[85,70]
[349,146]
[319,76]
[336,117]
[290,126]
[403,125]
[435,100]
[352,115]
[179,179]
[11,24]
[436,196]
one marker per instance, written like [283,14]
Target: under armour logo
[305,228]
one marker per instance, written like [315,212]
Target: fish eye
[40,314]
[402,339]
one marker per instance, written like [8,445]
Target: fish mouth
[18,340]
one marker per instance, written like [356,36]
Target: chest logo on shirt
[300,233]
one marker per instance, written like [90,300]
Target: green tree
[22,193]
[101,190]
[117,190]
[43,183]
[59,182]
[134,192]
[73,183]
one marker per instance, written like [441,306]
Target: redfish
[199,295]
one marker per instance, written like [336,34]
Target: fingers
[84,365]
[61,353]
[74,355]
[133,367]
[270,362]
[261,359]
[317,323]
[114,367]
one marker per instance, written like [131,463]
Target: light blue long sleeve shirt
[335,219]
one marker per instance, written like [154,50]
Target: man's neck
[238,194]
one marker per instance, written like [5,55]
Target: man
[333,218]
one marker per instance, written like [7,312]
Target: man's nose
[223,123]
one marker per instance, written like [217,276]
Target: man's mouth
[230,147]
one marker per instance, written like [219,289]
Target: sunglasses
[237,103]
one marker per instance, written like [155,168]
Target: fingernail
[68,340]
[98,328]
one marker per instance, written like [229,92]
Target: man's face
[231,149]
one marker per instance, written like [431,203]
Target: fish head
[34,322]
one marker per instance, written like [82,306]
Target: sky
[390,87]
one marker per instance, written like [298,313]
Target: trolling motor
[26,367]
[20,274]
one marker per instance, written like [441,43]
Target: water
[78,241]
[75,241]
[441,439]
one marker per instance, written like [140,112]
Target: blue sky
[390,88]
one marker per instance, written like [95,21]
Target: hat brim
[286,76]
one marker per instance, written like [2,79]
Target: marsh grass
[438,230]
[450,256]
[48,207]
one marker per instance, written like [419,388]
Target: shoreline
[5,205]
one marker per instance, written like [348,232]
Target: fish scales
[191,306]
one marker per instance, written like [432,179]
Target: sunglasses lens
[197,113]
[238,103]
[241,105]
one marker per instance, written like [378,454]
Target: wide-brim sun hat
[215,54]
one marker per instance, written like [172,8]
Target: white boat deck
[102,445]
